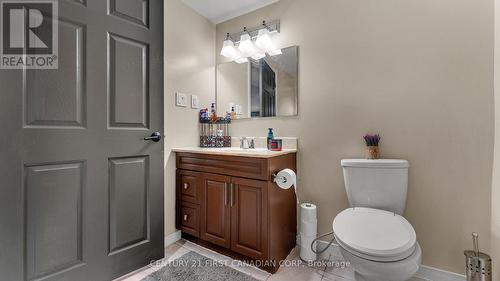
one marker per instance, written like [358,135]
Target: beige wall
[495,194]
[417,72]
[189,68]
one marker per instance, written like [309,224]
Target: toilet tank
[380,184]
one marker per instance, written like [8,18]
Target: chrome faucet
[247,143]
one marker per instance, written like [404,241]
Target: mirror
[267,87]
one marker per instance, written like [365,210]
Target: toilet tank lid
[375,163]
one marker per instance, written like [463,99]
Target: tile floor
[328,272]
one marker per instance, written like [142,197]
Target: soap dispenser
[270,137]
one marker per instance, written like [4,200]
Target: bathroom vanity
[227,201]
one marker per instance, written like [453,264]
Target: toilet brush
[477,264]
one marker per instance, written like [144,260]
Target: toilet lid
[374,234]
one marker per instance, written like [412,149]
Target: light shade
[264,40]
[275,52]
[258,56]
[241,60]
[229,50]
[246,47]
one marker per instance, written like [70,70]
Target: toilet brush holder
[477,264]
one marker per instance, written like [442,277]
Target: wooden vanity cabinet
[232,204]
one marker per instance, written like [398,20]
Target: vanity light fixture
[254,43]
[264,40]
[228,48]
[246,47]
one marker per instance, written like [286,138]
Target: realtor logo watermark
[29,33]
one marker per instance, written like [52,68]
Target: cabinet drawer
[246,167]
[188,189]
[189,218]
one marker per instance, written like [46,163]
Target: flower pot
[372,152]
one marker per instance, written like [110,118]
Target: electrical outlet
[237,109]
[180,99]
[194,101]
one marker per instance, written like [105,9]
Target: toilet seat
[374,234]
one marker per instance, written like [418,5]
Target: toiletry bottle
[203,114]
[206,114]
[270,136]
[233,113]
[213,114]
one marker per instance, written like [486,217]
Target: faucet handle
[251,142]
[244,143]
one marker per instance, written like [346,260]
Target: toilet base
[367,270]
[358,277]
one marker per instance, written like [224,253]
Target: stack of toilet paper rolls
[308,231]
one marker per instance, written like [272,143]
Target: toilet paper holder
[277,178]
[286,179]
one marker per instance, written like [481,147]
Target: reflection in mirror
[259,88]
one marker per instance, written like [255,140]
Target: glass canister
[215,133]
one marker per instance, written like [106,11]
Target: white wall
[189,68]
[420,73]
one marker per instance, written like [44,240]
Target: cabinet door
[216,217]
[188,218]
[187,186]
[249,217]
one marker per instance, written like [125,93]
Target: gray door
[81,191]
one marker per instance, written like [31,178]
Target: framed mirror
[262,88]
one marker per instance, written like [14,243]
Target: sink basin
[248,150]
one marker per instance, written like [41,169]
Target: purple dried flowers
[372,140]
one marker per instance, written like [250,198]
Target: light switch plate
[180,99]
[194,101]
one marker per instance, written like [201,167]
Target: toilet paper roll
[306,253]
[285,179]
[308,231]
[307,212]
[308,227]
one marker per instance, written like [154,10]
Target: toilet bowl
[380,245]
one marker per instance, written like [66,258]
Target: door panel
[81,194]
[128,202]
[128,82]
[248,217]
[53,224]
[135,11]
[216,210]
[59,104]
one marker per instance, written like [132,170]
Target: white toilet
[379,243]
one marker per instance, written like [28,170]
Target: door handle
[185,217]
[156,137]
[225,194]
[232,194]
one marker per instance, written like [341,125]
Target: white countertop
[235,151]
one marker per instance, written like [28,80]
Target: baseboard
[435,274]
[172,238]
[425,272]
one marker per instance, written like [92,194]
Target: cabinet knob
[186,186]
[185,218]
